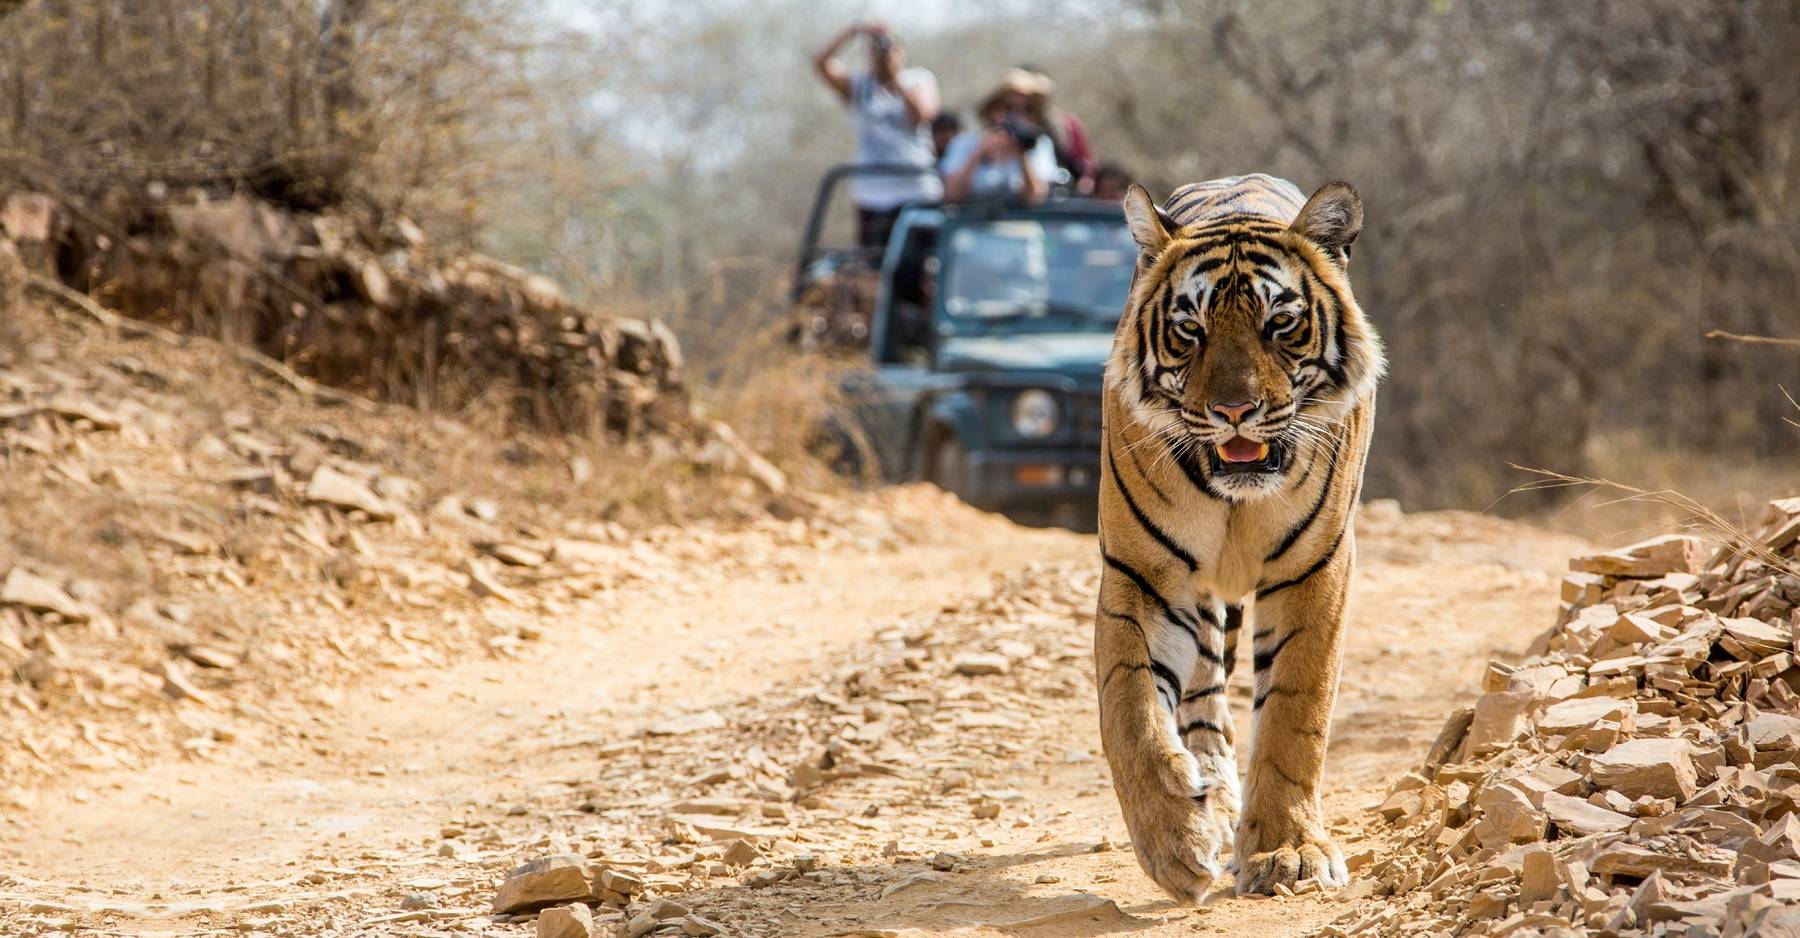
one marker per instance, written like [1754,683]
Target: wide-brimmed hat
[1029,84]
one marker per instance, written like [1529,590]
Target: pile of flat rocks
[1637,773]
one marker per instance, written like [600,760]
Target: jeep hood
[1079,355]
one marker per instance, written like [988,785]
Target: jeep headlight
[1034,414]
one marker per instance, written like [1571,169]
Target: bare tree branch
[1753,339]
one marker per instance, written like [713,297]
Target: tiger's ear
[1149,226]
[1332,219]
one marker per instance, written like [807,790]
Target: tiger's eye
[1281,320]
[1187,329]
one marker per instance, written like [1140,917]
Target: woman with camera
[1010,157]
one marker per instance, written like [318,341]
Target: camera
[1024,134]
[881,41]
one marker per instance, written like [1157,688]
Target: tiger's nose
[1235,412]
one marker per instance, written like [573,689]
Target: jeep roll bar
[810,251]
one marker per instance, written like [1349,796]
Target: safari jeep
[986,343]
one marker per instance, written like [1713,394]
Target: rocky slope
[1639,773]
[191,547]
[355,301]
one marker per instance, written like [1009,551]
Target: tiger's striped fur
[1241,297]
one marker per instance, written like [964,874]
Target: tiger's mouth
[1244,456]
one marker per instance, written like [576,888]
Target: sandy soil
[432,782]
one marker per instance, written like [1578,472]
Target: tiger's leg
[1281,837]
[1234,624]
[1205,717]
[1146,640]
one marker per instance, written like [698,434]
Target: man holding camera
[1010,157]
[891,110]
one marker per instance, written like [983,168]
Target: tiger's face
[1246,347]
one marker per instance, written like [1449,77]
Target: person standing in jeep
[891,110]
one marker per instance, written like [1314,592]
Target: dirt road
[795,686]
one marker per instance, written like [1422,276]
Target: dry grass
[733,323]
[1692,516]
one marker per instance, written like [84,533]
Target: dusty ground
[773,642]
[250,705]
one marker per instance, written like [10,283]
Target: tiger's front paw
[1288,861]
[1178,845]
[1178,828]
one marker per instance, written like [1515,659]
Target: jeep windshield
[1073,273]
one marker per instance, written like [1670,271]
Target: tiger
[1237,407]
